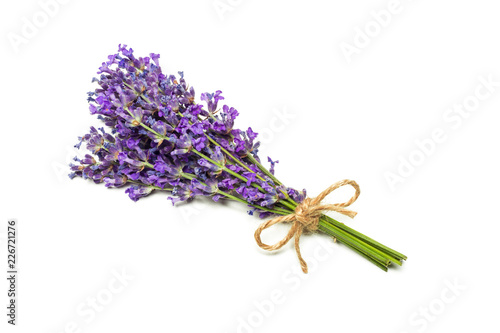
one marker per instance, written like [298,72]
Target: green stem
[366,239]
[345,237]
[375,262]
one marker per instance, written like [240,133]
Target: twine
[306,218]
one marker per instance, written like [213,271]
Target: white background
[196,267]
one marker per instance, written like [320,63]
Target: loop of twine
[306,218]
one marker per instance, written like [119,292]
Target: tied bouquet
[159,138]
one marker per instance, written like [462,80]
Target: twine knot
[306,218]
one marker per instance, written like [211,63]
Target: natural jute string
[306,217]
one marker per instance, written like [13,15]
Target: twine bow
[306,218]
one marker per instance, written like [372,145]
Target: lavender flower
[159,138]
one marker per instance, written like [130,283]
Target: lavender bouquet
[160,139]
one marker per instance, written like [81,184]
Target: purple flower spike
[137,192]
[272,164]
